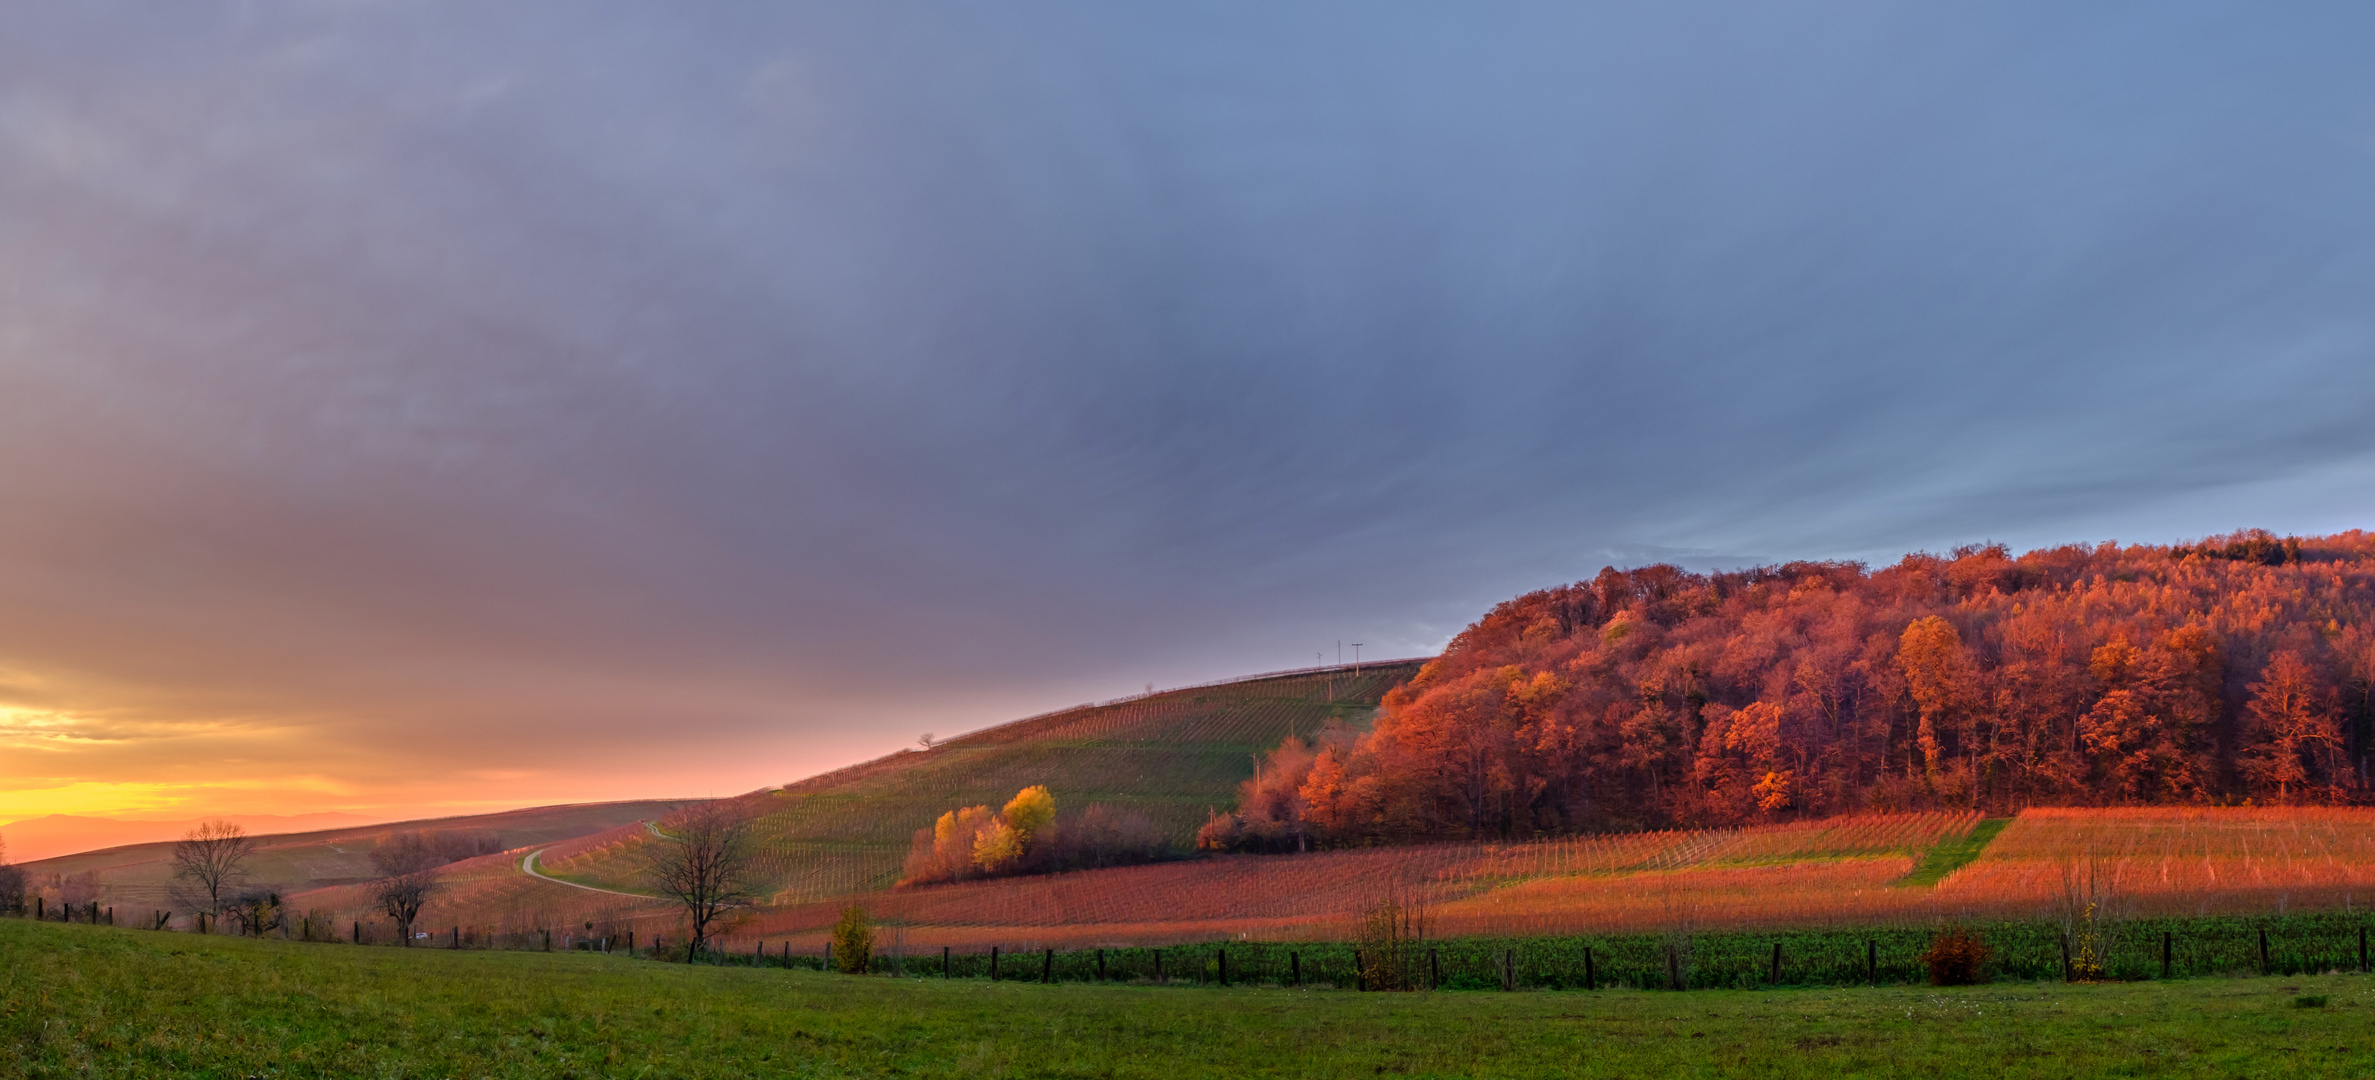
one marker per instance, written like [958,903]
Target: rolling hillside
[1173,756]
[136,875]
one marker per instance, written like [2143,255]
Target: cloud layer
[450,405]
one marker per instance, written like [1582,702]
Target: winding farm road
[528,867]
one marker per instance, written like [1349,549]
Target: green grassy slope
[96,1001]
[1953,855]
[1173,756]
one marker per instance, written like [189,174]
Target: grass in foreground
[79,1000]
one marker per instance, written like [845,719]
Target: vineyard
[1172,757]
[1843,872]
[1775,875]
[2183,861]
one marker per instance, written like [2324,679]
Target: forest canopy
[2238,669]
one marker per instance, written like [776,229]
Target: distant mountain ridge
[52,835]
[294,862]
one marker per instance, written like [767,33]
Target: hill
[1173,756]
[136,875]
[2238,669]
[52,835]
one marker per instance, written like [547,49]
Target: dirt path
[528,867]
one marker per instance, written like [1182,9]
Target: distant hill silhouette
[64,834]
[137,874]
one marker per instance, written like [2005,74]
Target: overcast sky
[431,405]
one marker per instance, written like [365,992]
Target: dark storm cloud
[562,374]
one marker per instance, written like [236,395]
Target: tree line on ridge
[2240,669]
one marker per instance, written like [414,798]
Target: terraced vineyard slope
[1173,756]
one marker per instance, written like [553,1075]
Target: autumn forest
[2237,670]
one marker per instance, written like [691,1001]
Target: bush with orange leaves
[1957,957]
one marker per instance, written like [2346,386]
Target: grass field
[95,1001]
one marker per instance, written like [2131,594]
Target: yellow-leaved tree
[1001,846]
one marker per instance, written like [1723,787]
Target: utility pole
[1356,658]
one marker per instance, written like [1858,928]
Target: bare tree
[703,862]
[209,864]
[407,865]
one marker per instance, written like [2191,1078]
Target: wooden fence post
[2362,950]
[1222,955]
[993,963]
[2168,951]
[1360,979]
[1673,967]
[1158,967]
[457,938]
[2264,969]
[1872,960]
[631,945]
[1047,967]
[1591,978]
[1775,978]
[944,964]
[1100,965]
[1434,971]
[358,939]
[1294,968]
[2068,974]
[1509,971]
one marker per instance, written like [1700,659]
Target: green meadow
[99,1001]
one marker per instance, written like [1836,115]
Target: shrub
[1957,957]
[853,941]
[2310,1001]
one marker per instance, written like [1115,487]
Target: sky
[433,406]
